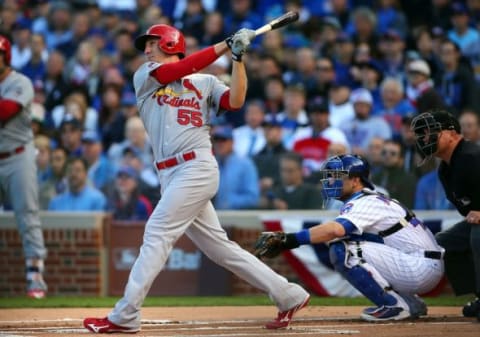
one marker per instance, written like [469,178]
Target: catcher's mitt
[271,244]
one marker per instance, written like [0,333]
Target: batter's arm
[238,86]
[193,63]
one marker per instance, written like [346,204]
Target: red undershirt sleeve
[193,63]
[8,109]
[225,101]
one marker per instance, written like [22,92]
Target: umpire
[438,134]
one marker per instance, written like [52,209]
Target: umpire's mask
[427,126]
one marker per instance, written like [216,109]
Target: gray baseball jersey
[17,131]
[176,117]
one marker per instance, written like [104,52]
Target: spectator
[456,82]
[369,77]
[274,89]
[124,198]
[241,15]
[148,181]
[80,25]
[294,115]
[420,90]
[71,136]
[424,43]
[249,139]
[80,196]
[238,187]
[213,29]
[390,16]
[42,159]
[466,37]
[326,78]
[374,155]
[82,69]
[340,107]
[54,84]
[191,21]
[392,48]
[337,149]
[35,68]
[56,183]
[362,27]
[293,193]
[305,71]
[394,104]
[343,52]
[76,106]
[441,14]
[429,193]
[312,141]
[470,126]
[136,138]
[37,119]
[324,40]
[364,127]
[100,169]
[59,23]
[21,52]
[111,119]
[267,160]
[399,184]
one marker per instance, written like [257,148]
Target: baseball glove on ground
[271,244]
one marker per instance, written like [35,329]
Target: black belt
[432,254]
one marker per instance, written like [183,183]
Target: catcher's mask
[427,127]
[336,168]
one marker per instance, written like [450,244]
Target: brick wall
[74,266]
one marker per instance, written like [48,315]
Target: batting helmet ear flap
[6,48]
[170,39]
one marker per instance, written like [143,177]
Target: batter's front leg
[207,233]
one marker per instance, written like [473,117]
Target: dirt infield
[238,321]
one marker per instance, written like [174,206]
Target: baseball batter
[174,104]
[377,244]
[18,171]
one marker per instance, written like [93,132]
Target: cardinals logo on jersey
[189,85]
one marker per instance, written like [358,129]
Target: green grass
[167,301]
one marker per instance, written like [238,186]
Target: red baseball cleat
[283,318]
[103,325]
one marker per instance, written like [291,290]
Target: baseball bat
[279,22]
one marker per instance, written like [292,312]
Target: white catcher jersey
[177,115]
[17,132]
[373,213]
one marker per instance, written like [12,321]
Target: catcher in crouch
[376,243]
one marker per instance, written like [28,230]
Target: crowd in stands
[347,77]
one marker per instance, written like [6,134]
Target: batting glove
[239,42]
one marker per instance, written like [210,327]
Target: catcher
[376,243]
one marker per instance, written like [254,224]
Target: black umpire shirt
[461,178]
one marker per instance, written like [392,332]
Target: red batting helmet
[170,39]
[6,48]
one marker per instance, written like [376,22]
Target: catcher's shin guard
[374,288]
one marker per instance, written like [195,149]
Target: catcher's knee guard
[361,275]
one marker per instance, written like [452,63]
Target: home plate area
[238,321]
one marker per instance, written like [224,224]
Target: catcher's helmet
[170,39]
[427,127]
[6,48]
[338,167]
